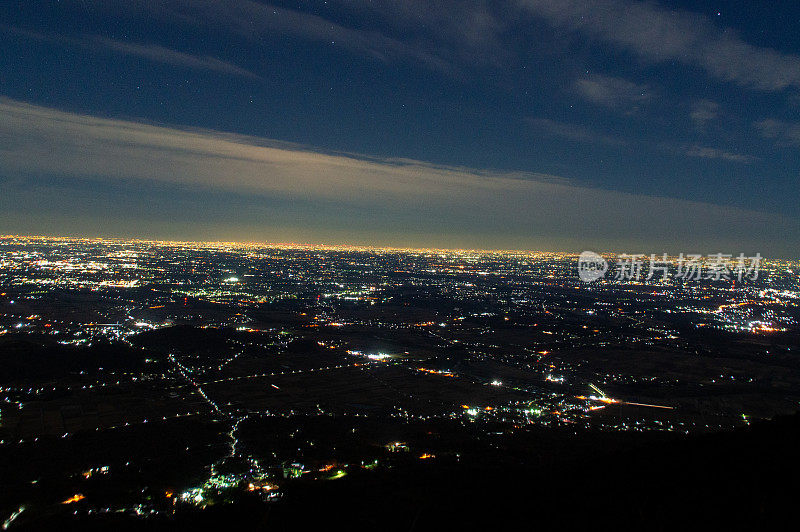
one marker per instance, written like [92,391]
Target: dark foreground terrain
[738,480]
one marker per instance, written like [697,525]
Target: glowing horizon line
[292,245]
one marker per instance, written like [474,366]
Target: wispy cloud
[703,112]
[613,92]
[659,35]
[452,36]
[784,133]
[467,31]
[705,152]
[448,36]
[483,208]
[575,132]
[160,54]
[258,21]
[150,52]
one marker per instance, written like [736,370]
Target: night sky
[612,125]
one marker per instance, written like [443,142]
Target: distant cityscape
[243,370]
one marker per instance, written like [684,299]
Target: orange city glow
[75,498]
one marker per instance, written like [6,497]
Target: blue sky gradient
[673,104]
